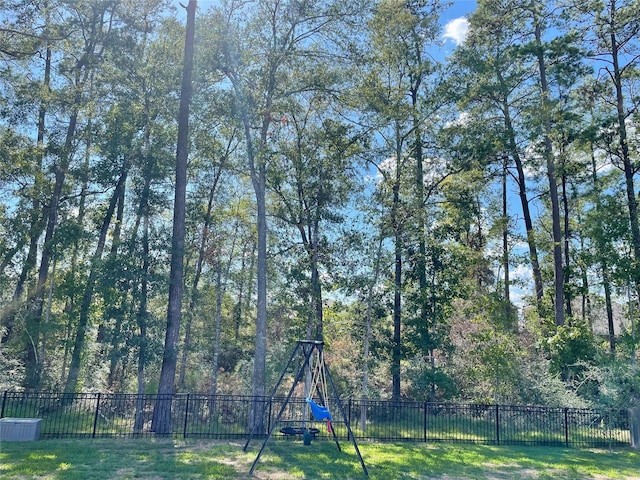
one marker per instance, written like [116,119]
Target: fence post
[186,416]
[349,417]
[270,412]
[566,427]
[497,424]
[424,422]
[4,401]
[95,416]
[608,425]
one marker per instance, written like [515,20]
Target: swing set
[320,380]
[319,383]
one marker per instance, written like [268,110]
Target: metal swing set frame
[321,374]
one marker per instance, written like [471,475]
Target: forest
[187,190]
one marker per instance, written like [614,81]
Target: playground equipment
[321,379]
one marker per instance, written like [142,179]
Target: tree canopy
[455,223]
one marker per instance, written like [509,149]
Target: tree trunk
[71,301]
[315,308]
[567,257]
[142,310]
[114,353]
[257,169]
[367,335]
[606,284]
[524,202]
[221,285]
[396,352]
[634,417]
[627,162]
[602,255]
[37,213]
[553,185]
[141,320]
[37,219]
[505,244]
[76,355]
[142,313]
[260,346]
[80,71]
[316,286]
[162,409]
[194,288]
[33,365]
[142,217]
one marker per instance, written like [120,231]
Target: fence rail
[227,417]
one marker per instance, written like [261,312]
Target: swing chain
[319,376]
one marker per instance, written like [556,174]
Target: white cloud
[463,120]
[522,272]
[388,166]
[456,30]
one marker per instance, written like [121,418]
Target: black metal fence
[227,417]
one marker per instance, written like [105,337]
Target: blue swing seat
[319,412]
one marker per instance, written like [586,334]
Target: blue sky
[454,30]
[451,17]
[454,25]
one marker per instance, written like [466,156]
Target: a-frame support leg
[307,354]
[273,393]
[346,421]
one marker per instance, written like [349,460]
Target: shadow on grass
[445,461]
[320,460]
[111,459]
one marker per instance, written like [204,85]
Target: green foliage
[570,347]
[421,377]
[612,384]
[11,369]
[376,152]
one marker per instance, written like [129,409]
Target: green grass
[155,459]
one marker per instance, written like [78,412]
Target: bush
[11,369]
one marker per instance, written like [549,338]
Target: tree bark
[162,409]
[396,346]
[368,333]
[37,214]
[194,288]
[221,285]
[567,256]
[76,355]
[629,170]
[33,364]
[257,169]
[634,416]
[114,353]
[505,244]
[524,200]
[558,269]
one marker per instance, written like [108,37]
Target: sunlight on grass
[166,459]
[42,456]
[190,457]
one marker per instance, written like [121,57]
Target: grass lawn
[153,459]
